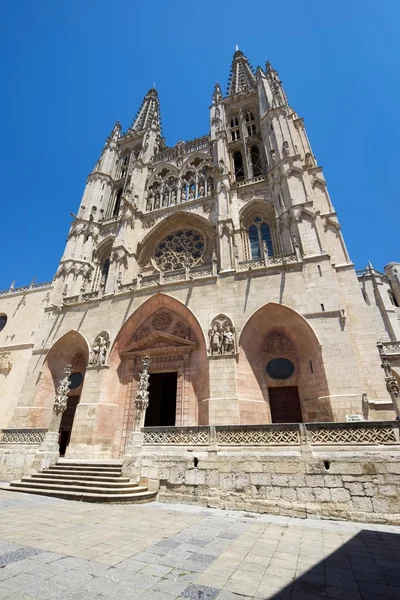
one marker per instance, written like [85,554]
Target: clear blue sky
[71,68]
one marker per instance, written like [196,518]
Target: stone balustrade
[290,434]
[26,288]
[22,436]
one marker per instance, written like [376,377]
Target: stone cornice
[15,347]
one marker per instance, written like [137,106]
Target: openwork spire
[241,78]
[149,113]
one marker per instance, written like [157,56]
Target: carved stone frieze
[61,399]
[277,343]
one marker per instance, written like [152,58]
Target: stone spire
[105,162]
[148,114]
[217,94]
[241,77]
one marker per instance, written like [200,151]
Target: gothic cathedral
[202,284]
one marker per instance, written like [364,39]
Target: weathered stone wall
[354,483]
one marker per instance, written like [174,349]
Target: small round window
[280,368]
[75,380]
[3,321]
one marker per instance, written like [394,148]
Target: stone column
[131,460]
[392,384]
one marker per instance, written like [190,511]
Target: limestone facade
[220,258]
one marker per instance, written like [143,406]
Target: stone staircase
[87,481]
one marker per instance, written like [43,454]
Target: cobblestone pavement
[62,550]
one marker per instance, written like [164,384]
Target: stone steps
[87,497]
[85,481]
[64,476]
[26,482]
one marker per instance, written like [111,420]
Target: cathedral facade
[217,269]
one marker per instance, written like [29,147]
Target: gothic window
[280,368]
[251,129]
[183,248]
[260,235]
[117,204]
[3,321]
[249,117]
[239,168]
[256,161]
[235,132]
[105,268]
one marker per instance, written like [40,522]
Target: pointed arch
[63,352]
[288,314]
[149,307]
[179,219]
[295,343]
[201,155]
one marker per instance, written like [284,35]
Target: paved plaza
[63,550]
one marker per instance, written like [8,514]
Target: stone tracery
[179,250]
[170,187]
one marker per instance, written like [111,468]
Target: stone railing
[195,145]
[391,348]
[26,288]
[22,436]
[272,261]
[288,434]
[177,435]
[250,181]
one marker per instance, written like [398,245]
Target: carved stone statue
[165,199]
[215,339]
[285,149]
[201,190]
[142,394]
[273,156]
[222,167]
[183,194]
[99,350]
[148,204]
[173,197]
[191,194]
[228,342]
[221,336]
[309,161]
[157,201]
[61,399]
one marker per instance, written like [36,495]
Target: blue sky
[71,68]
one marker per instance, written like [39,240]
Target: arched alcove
[281,367]
[167,331]
[71,349]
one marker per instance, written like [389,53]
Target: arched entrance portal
[71,349]
[167,331]
[282,367]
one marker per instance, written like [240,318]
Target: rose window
[181,249]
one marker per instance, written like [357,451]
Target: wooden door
[285,404]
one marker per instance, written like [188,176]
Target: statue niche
[221,336]
[98,353]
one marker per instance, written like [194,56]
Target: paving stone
[199,592]
[167,544]
[203,558]
[17,555]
